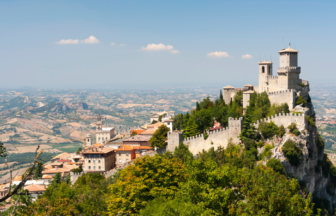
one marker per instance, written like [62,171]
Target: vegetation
[268,130]
[293,129]
[319,143]
[301,100]
[134,133]
[159,137]
[276,165]
[292,152]
[310,121]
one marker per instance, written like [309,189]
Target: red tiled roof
[137,138]
[35,188]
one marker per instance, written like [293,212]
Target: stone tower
[289,71]
[88,140]
[265,72]
[174,139]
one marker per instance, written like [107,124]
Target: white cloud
[112,44]
[175,52]
[90,40]
[122,45]
[68,41]
[155,47]
[218,54]
[247,56]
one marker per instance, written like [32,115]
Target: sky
[155,44]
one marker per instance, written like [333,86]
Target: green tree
[165,207]
[281,131]
[3,151]
[292,152]
[221,98]
[38,171]
[57,179]
[268,130]
[276,165]
[159,137]
[182,153]
[197,106]
[134,133]
[301,100]
[148,178]
[249,131]
[191,129]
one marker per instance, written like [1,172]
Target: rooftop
[35,188]
[97,149]
[156,125]
[137,138]
[149,131]
[228,87]
[289,49]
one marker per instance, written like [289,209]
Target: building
[35,189]
[137,140]
[98,158]
[125,154]
[103,134]
[156,116]
[280,89]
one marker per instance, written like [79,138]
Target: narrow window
[89,161]
[89,167]
[98,161]
[99,167]
[263,69]
[94,167]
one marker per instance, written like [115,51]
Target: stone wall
[285,96]
[285,119]
[216,138]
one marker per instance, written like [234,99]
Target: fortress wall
[216,138]
[285,96]
[273,83]
[285,119]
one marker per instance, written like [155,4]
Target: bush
[281,131]
[296,132]
[301,100]
[292,152]
[206,135]
[267,152]
[268,130]
[276,165]
[319,143]
[310,121]
[292,127]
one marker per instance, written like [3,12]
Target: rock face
[60,107]
[78,105]
[306,173]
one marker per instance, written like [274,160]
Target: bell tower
[265,70]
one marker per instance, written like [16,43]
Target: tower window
[263,69]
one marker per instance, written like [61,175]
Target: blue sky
[31,54]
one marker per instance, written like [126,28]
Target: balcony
[289,69]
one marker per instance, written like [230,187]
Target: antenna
[271,57]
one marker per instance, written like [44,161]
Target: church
[284,88]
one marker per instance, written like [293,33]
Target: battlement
[285,119]
[282,92]
[174,132]
[273,77]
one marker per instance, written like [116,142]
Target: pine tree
[231,103]
[191,129]
[221,98]
[38,171]
[249,131]
[197,106]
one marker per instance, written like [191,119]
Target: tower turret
[265,70]
[289,71]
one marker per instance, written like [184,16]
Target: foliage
[134,133]
[276,109]
[38,171]
[191,129]
[205,135]
[79,150]
[310,121]
[3,152]
[154,121]
[319,143]
[276,165]
[165,207]
[182,153]
[159,137]
[268,130]
[86,197]
[267,152]
[293,129]
[292,152]
[281,131]
[301,100]
[78,170]
[148,178]
[248,131]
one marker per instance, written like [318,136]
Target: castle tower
[228,93]
[265,71]
[289,71]
[88,140]
[174,139]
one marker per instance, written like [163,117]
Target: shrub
[281,131]
[268,130]
[267,152]
[206,135]
[260,144]
[292,152]
[310,121]
[292,127]
[296,132]
[276,165]
[301,100]
[319,143]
